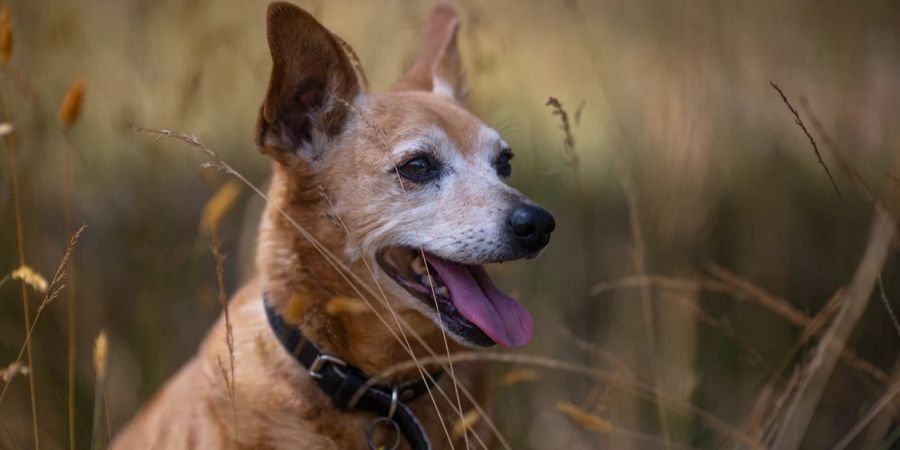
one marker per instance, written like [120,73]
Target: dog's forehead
[423,117]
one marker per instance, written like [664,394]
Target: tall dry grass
[698,293]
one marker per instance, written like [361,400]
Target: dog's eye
[504,169]
[420,168]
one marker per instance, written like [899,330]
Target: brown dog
[390,202]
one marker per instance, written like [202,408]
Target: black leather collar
[342,382]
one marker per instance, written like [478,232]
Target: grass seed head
[345,305]
[218,205]
[465,423]
[28,276]
[13,370]
[70,108]
[585,419]
[518,376]
[6,37]
[100,349]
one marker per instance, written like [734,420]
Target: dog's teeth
[442,291]
[428,280]
[418,266]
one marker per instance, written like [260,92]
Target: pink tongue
[478,300]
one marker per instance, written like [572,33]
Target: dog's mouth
[469,304]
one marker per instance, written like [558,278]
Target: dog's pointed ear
[313,82]
[438,67]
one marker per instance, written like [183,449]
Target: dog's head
[416,183]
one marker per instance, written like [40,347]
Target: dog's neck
[301,283]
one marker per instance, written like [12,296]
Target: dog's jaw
[301,282]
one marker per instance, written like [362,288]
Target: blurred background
[699,239]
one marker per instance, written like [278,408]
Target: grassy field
[710,281]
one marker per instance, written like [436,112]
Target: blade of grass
[787,311]
[69,112]
[887,306]
[615,378]
[639,266]
[880,428]
[216,249]
[867,417]
[100,361]
[812,141]
[10,140]
[53,291]
[803,404]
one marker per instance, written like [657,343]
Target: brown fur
[329,169]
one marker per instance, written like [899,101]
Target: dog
[393,201]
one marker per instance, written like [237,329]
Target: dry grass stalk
[355,283]
[809,136]
[566,127]
[638,262]
[775,414]
[11,371]
[815,325]
[70,108]
[662,282]
[6,53]
[69,111]
[887,306]
[465,424]
[229,384]
[53,291]
[345,305]
[596,350]
[843,162]
[30,277]
[691,286]
[750,355]
[354,61]
[803,404]
[878,431]
[597,399]
[219,205]
[579,110]
[71,298]
[754,424]
[590,258]
[614,378]
[101,346]
[101,349]
[882,402]
[6,36]
[517,376]
[216,249]
[20,246]
[585,419]
[778,305]
[784,309]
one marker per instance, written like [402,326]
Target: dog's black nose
[531,226]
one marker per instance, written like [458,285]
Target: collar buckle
[315,369]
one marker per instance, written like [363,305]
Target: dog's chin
[462,297]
